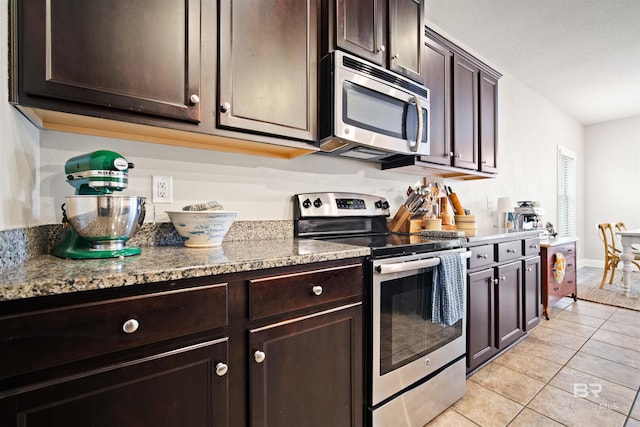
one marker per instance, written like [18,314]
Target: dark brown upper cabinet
[488,122]
[406,29]
[388,33]
[141,57]
[464,114]
[149,70]
[268,67]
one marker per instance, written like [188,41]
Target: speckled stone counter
[493,237]
[48,275]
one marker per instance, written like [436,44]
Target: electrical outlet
[489,203]
[161,189]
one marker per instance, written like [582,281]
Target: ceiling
[581,55]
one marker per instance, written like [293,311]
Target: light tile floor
[580,368]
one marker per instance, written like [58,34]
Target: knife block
[400,221]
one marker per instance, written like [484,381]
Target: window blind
[566,192]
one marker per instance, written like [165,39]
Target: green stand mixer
[101,222]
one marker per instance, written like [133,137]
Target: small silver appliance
[370,113]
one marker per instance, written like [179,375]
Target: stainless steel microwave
[370,113]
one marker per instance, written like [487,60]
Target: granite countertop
[48,275]
[494,236]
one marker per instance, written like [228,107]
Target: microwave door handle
[407,266]
[416,146]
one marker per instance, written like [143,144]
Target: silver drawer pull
[259,356]
[221,369]
[511,251]
[317,290]
[483,256]
[130,326]
[533,246]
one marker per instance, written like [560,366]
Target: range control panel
[339,205]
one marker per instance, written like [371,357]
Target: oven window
[406,330]
[371,110]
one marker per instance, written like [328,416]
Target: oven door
[407,345]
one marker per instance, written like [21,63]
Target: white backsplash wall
[258,188]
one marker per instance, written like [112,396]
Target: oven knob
[379,204]
[385,205]
[306,204]
[427,362]
[317,203]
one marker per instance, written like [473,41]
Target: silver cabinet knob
[225,107]
[194,99]
[450,153]
[529,269]
[458,156]
[221,369]
[503,278]
[427,362]
[317,290]
[130,326]
[496,281]
[259,356]
[396,56]
[382,48]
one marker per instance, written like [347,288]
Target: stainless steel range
[416,364]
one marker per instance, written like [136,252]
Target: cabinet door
[465,113]
[488,123]
[406,29]
[531,294]
[361,28]
[185,387]
[141,57]
[509,304]
[268,67]
[480,318]
[308,371]
[437,77]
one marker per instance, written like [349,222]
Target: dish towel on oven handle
[448,290]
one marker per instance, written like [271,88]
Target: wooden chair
[611,252]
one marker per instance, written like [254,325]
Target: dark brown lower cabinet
[279,347]
[503,296]
[184,387]
[508,291]
[480,319]
[531,286]
[307,371]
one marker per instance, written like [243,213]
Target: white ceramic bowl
[202,229]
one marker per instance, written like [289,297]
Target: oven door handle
[407,266]
[413,265]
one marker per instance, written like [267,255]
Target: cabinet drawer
[531,246]
[509,250]
[85,330]
[281,294]
[567,287]
[481,256]
[568,249]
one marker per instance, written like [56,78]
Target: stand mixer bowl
[105,221]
